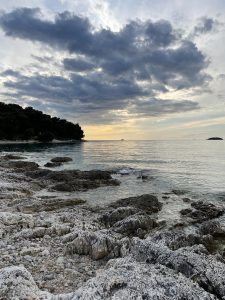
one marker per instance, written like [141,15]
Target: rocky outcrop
[48,205]
[128,279]
[73,180]
[201,211]
[98,245]
[17,283]
[147,203]
[200,268]
[135,225]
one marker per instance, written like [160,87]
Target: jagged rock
[213,228]
[117,214]
[202,211]
[203,269]
[127,279]
[147,203]
[61,159]
[132,224]
[16,283]
[53,164]
[178,238]
[96,244]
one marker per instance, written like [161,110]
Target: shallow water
[194,166]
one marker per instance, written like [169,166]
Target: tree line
[17,123]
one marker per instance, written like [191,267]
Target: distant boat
[122,140]
[215,138]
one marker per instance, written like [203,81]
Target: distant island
[215,139]
[17,123]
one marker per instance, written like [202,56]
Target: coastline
[56,246]
[17,142]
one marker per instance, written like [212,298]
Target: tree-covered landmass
[17,123]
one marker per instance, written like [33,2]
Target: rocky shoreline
[57,246]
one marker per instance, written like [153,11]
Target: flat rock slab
[147,203]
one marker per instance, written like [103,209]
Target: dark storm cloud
[110,70]
[87,90]
[78,65]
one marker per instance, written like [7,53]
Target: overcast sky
[133,69]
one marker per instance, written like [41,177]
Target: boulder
[97,245]
[133,225]
[117,214]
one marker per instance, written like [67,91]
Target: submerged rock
[61,159]
[53,164]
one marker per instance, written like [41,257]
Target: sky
[131,69]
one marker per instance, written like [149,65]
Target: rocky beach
[55,245]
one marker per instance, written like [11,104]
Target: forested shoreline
[17,123]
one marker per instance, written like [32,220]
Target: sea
[195,168]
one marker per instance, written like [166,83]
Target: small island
[25,124]
[215,139]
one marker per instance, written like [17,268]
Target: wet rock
[23,166]
[132,225]
[53,164]
[201,211]
[83,185]
[148,203]
[179,192]
[40,173]
[61,159]
[213,228]
[127,279]
[49,205]
[187,200]
[12,156]
[117,214]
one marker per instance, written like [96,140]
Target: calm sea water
[193,166]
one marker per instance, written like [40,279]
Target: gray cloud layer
[109,70]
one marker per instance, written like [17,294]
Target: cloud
[205,25]
[158,107]
[107,71]
[78,65]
